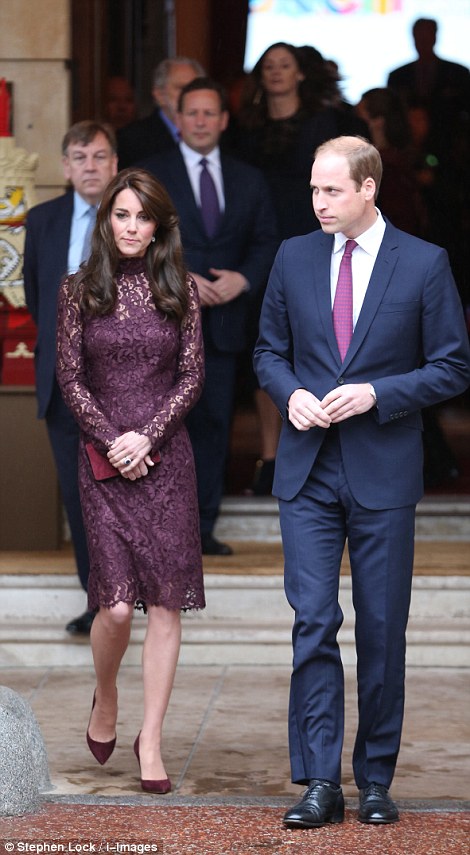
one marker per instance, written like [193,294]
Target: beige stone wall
[35,51]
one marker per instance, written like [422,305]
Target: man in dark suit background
[158,131]
[57,236]
[230,264]
[350,383]
[441,85]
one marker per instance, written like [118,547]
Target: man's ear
[157,94]
[66,168]
[369,188]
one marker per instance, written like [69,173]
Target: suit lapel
[59,237]
[381,274]
[230,188]
[322,275]
[185,190]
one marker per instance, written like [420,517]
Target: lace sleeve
[189,378]
[71,370]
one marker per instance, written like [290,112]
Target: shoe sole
[293,823]
[378,821]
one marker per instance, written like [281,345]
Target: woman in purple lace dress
[130,365]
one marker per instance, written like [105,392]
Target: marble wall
[35,51]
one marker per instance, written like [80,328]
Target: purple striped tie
[343,303]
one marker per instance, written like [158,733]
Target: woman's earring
[153,238]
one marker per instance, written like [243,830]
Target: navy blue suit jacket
[45,263]
[410,342]
[246,240]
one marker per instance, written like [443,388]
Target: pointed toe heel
[101,750]
[161,787]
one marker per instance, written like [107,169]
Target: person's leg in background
[209,425]
[63,435]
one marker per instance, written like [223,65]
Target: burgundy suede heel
[159,787]
[101,750]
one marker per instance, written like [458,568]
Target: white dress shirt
[192,161]
[362,262]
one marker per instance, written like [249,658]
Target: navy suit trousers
[315,526]
[209,424]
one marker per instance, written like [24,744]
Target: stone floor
[225,733]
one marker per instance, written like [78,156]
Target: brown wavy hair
[316,91]
[96,280]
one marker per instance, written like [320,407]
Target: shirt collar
[174,131]
[193,157]
[80,206]
[369,240]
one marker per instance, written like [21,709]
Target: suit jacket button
[340,380]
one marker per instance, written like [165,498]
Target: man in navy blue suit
[349,464]
[230,263]
[56,237]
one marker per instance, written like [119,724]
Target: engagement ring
[127,461]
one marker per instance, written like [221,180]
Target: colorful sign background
[366,38]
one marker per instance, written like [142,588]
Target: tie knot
[349,247]
[203,161]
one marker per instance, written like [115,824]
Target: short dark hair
[85,132]
[204,83]
[428,22]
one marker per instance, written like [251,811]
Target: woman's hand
[130,454]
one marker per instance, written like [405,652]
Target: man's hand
[352,399]
[305,411]
[230,284]
[208,291]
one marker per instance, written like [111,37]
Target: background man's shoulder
[55,207]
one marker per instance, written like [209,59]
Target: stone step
[430,643]
[244,518]
[247,619]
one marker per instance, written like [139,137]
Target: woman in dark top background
[399,195]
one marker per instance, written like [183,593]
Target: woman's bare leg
[159,660]
[109,637]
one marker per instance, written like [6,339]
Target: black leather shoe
[322,802]
[211,546]
[81,625]
[375,805]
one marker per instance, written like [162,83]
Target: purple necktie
[210,209]
[343,303]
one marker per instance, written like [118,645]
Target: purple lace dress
[136,370]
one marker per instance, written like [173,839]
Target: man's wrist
[372,392]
